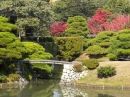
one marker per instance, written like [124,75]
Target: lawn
[122,77]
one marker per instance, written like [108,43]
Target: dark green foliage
[64,9]
[69,47]
[107,71]
[91,63]
[26,71]
[76,26]
[34,14]
[117,6]
[42,88]
[69,8]
[37,70]
[104,95]
[49,44]
[57,71]
[50,47]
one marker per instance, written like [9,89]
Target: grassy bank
[122,77]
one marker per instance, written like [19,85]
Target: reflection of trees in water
[39,89]
[79,96]
[51,88]
[9,92]
[104,95]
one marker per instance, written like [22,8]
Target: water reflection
[41,89]
[104,95]
[51,88]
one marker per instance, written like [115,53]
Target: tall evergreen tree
[118,6]
[34,14]
[69,8]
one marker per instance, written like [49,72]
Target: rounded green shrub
[91,63]
[96,50]
[107,71]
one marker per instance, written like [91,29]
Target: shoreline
[118,81]
[84,85]
[9,85]
[80,85]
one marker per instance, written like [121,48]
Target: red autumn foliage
[98,19]
[120,22]
[101,16]
[57,28]
[103,21]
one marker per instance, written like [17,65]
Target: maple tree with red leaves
[94,23]
[57,28]
[104,21]
[120,22]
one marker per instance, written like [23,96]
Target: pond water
[51,88]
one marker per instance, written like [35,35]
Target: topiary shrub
[76,26]
[96,51]
[107,71]
[68,48]
[91,63]
[78,67]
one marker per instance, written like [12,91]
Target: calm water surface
[50,88]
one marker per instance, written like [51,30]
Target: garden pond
[51,88]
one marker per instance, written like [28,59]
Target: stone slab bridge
[68,75]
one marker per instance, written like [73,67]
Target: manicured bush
[96,50]
[99,46]
[107,71]
[76,26]
[91,63]
[69,47]
[120,45]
